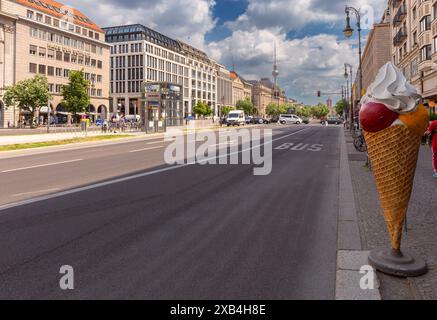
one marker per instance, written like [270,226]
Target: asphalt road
[192,232]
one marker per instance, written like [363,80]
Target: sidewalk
[421,238]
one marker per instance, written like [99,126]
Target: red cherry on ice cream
[375,117]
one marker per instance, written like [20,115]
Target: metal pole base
[397,263]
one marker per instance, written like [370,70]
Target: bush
[433,116]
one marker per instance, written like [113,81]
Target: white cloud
[184,20]
[295,14]
[305,65]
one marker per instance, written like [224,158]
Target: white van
[289,118]
[236,118]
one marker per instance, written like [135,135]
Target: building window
[42,52]
[42,69]
[39,17]
[66,57]
[33,32]
[59,55]
[30,14]
[66,73]
[32,67]
[58,72]
[32,50]
[48,20]
[426,52]
[42,34]
[56,22]
[425,23]
[415,67]
[50,71]
[51,54]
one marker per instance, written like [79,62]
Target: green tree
[274,109]
[340,106]
[247,106]
[320,111]
[75,96]
[30,94]
[306,111]
[226,109]
[291,109]
[202,109]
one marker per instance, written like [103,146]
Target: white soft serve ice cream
[392,89]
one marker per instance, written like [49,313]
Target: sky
[311,48]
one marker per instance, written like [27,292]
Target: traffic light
[319,94]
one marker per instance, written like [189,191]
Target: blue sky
[308,35]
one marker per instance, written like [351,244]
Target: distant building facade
[224,87]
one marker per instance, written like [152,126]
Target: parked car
[274,119]
[133,118]
[236,118]
[289,118]
[249,119]
[331,120]
[256,120]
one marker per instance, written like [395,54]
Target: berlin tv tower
[275,73]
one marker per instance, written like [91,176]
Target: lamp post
[351,102]
[348,32]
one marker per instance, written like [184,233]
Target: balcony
[400,37]
[400,15]
[425,65]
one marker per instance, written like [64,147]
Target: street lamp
[351,109]
[348,31]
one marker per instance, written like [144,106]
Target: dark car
[331,120]
[274,119]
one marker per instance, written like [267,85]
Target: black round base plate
[397,263]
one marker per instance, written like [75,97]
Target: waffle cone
[393,153]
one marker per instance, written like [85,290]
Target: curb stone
[350,256]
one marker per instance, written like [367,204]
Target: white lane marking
[145,149]
[42,165]
[133,177]
[34,192]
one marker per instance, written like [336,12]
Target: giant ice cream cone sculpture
[393,124]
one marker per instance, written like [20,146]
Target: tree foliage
[202,109]
[75,96]
[320,111]
[30,94]
[340,106]
[274,109]
[247,106]
[226,109]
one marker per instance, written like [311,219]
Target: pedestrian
[432,134]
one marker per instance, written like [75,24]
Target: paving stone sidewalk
[421,238]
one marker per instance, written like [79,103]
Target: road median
[33,145]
